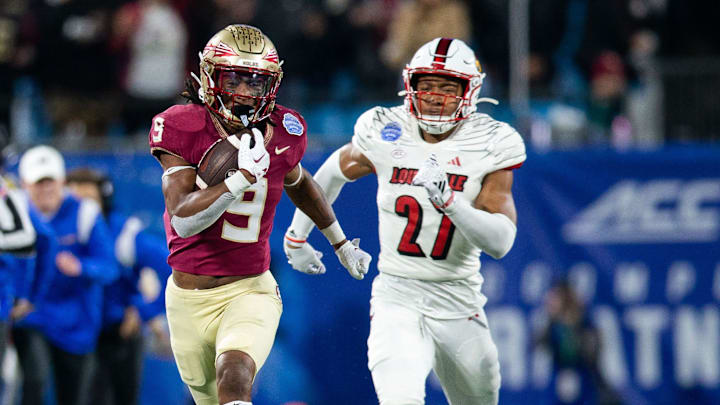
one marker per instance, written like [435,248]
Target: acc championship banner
[636,234]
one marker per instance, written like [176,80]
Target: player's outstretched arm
[489,223]
[314,197]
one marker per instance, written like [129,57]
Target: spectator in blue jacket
[33,284]
[125,309]
[69,317]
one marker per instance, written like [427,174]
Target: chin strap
[201,92]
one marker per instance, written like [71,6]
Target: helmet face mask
[240,73]
[449,60]
[242,95]
[436,99]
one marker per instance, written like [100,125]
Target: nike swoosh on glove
[255,160]
[302,256]
[354,259]
[434,179]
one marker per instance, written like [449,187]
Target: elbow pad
[493,233]
[198,222]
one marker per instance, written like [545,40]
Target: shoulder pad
[288,121]
[184,118]
[380,125]
[177,130]
[497,139]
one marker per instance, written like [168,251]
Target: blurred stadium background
[620,195]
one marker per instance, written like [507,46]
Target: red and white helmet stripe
[449,57]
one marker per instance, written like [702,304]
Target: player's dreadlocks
[191,91]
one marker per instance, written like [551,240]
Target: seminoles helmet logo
[221,50]
[240,73]
[444,57]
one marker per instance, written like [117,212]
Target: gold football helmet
[240,73]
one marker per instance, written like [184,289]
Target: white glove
[255,160]
[302,256]
[354,259]
[434,179]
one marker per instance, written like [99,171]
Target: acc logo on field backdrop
[391,132]
[292,124]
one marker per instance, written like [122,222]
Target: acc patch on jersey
[292,124]
[391,132]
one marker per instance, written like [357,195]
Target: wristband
[292,240]
[237,183]
[334,233]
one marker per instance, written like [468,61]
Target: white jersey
[416,240]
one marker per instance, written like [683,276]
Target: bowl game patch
[292,124]
[391,132]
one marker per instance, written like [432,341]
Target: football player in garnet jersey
[444,196]
[223,305]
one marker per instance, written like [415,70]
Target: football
[218,163]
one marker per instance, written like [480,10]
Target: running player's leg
[186,312]
[245,336]
[466,360]
[400,354]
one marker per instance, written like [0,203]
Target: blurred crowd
[95,67]
[78,290]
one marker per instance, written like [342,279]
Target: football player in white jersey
[444,196]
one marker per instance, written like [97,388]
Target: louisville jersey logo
[404,175]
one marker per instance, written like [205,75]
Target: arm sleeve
[198,222]
[151,253]
[331,179]
[493,233]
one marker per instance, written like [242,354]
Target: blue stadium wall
[637,233]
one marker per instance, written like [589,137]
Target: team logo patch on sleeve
[292,124]
[391,132]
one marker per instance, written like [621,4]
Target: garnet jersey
[237,243]
[416,240]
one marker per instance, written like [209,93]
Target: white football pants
[404,345]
